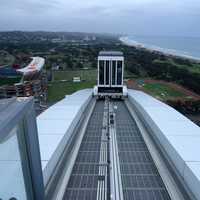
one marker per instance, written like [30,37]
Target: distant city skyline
[138,17]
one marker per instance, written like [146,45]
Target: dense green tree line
[169,68]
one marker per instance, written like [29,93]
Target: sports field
[89,74]
[62,83]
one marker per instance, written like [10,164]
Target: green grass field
[162,91]
[58,89]
[89,75]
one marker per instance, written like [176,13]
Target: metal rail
[115,174]
[103,161]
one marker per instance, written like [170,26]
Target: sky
[133,17]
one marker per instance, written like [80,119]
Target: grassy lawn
[89,75]
[57,91]
[162,91]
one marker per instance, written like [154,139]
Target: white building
[110,74]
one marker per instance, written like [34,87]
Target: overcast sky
[143,17]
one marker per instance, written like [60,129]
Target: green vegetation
[89,75]
[63,84]
[57,91]
[162,91]
[191,67]
[155,65]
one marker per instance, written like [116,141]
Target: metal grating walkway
[89,179]
[84,179]
[140,178]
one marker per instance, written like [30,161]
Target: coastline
[155,49]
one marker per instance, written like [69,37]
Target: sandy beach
[168,52]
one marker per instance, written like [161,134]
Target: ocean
[180,46]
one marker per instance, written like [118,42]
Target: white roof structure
[10,168]
[179,136]
[55,126]
[35,65]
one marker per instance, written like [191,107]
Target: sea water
[180,46]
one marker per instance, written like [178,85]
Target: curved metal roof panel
[56,122]
[179,136]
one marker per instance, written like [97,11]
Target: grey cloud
[96,9]
[28,5]
[122,16]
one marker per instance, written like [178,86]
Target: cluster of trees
[79,56]
[159,66]
[26,48]
[181,75]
